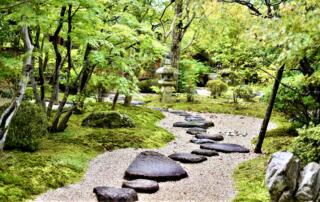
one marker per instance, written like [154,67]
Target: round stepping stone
[105,194]
[154,166]
[226,148]
[202,141]
[142,185]
[194,118]
[187,158]
[210,137]
[205,152]
[195,131]
[204,124]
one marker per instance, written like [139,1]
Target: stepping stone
[154,166]
[108,194]
[194,118]
[205,152]
[195,131]
[210,137]
[201,141]
[179,113]
[225,148]
[187,158]
[205,124]
[142,185]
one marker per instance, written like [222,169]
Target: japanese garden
[160,100]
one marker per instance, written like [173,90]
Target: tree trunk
[177,35]
[267,116]
[115,99]
[9,113]
[127,100]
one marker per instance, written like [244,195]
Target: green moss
[63,158]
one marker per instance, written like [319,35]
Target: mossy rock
[108,120]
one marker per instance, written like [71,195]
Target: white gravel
[208,181]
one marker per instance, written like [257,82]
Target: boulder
[225,148]
[142,185]
[309,183]
[155,166]
[195,131]
[205,152]
[109,194]
[108,120]
[194,118]
[210,137]
[187,158]
[204,124]
[282,176]
[201,141]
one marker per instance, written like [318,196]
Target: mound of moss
[108,120]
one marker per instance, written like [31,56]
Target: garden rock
[194,118]
[155,166]
[108,120]
[205,124]
[180,113]
[309,183]
[187,158]
[225,148]
[109,194]
[195,131]
[282,176]
[210,137]
[142,185]
[202,141]
[205,152]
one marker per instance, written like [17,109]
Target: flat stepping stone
[210,137]
[195,131]
[194,118]
[202,141]
[205,124]
[226,148]
[154,166]
[179,113]
[187,158]
[142,185]
[110,194]
[205,152]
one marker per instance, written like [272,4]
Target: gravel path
[207,181]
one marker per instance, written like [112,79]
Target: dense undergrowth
[63,158]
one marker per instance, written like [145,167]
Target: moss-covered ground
[63,157]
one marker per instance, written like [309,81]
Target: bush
[108,120]
[6,93]
[244,92]
[28,94]
[145,86]
[27,127]
[307,145]
[217,87]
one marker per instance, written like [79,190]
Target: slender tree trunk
[177,35]
[267,116]
[9,113]
[115,99]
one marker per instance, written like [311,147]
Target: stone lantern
[167,80]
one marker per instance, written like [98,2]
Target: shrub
[28,94]
[145,86]
[217,87]
[6,93]
[245,92]
[27,127]
[108,120]
[307,145]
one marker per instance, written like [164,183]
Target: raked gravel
[208,181]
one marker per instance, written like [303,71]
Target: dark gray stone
[205,152]
[137,103]
[194,118]
[142,185]
[110,194]
[201,141]
[187,158]
[195,131]
[210,137]
[282,176]
[179,113]
[155,166]
[205,124]
[225,148]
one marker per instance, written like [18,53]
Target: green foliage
[27,128]
[217,87]
[243,91]
[6,93]
[307,145]
[145,86]
[108,120]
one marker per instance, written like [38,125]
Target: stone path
[210,180]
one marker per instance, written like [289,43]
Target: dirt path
[207,181]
